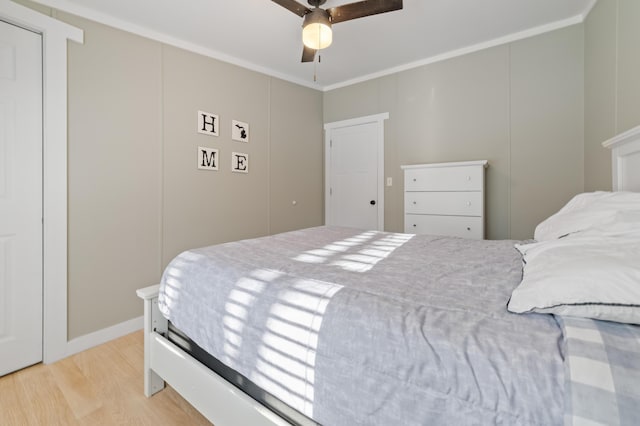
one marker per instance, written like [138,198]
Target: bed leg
[154,322]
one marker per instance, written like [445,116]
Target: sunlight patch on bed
[330,251]
[309,258]
[371,253]
[287,354]
[266,275]
[237,308]
[335,247]
[296,351]
[356,254]
[172,278]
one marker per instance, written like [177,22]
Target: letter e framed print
[239,162]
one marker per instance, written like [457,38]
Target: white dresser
[445,199]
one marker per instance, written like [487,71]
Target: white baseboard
[99,337]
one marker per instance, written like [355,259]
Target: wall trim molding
[464,51]
[102,18]
[105,335]
[88,13]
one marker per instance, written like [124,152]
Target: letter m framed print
[207,158]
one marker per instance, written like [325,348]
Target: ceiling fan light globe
[317,36]
[316,30]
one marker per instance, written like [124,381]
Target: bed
[338,326]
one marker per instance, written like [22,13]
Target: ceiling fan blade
[293,6]
[361,9]
[308,54]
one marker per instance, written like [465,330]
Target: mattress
[356,327]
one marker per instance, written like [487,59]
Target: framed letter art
[207,158]
[239,131]
[239,162]
[208,123]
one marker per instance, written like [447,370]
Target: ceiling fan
[316,28]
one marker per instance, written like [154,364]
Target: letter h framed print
[208,123]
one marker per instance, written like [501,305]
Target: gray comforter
[371,328]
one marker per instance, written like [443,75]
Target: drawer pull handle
[468,228]
[414,225]
[414,179]
[468,203]
[468,177]
[415,202]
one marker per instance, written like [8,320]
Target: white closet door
[20,198]
[354,175]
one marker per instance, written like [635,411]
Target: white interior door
[354,173]
[20,198]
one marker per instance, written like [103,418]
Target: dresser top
[483,163]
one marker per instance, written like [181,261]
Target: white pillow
[586,211]
[587,276]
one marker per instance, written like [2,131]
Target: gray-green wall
[518,105]
[612,83]
[136,198]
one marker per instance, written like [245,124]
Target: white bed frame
[225,405]
[625,160]
[219,401]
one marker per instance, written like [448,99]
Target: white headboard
[625,157]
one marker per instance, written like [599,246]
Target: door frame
[328,128]
[54,168]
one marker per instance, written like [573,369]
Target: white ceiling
[263,36]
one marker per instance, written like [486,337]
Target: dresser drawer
[464,178]
[456,226]
[464,203]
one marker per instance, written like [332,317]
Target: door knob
[372,202]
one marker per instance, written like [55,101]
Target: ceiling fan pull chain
[315,68]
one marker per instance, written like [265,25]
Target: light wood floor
[101,386]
